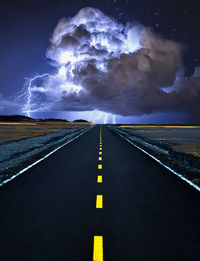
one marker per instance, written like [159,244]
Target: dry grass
[161,126]
[15,131]
[184,139]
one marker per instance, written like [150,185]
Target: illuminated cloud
[107,66]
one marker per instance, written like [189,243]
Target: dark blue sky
[26,27]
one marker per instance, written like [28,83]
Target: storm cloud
[104,65]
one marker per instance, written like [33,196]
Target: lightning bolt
[27,86]
[97,117]
[106,118]
[114,119]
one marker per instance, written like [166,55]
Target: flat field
[185,139]
[16,131]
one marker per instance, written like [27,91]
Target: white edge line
[36,162]
[160,162]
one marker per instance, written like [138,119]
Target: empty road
[99,198]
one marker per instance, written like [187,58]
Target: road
[142,212]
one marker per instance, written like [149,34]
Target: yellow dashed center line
[99,201]
[98,248]
[100,166]
[98,240]
[99,179]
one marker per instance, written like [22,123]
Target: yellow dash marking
[99,201]
[100,166]
[100,145]
[99,179]
[100,152]
[100,148]
[100,158]
[98,248]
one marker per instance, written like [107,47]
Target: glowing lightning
[106,118]
[27,85]
[114,119]
[97,117]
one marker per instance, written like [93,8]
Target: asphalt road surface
[79,205]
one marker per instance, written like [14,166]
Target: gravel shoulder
[18,155]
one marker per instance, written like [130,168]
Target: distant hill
[15,118]
[21,118]
[81,121]
[54,120]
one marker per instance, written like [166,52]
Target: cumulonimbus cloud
[122,69]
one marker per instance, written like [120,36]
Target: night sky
[27,26]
